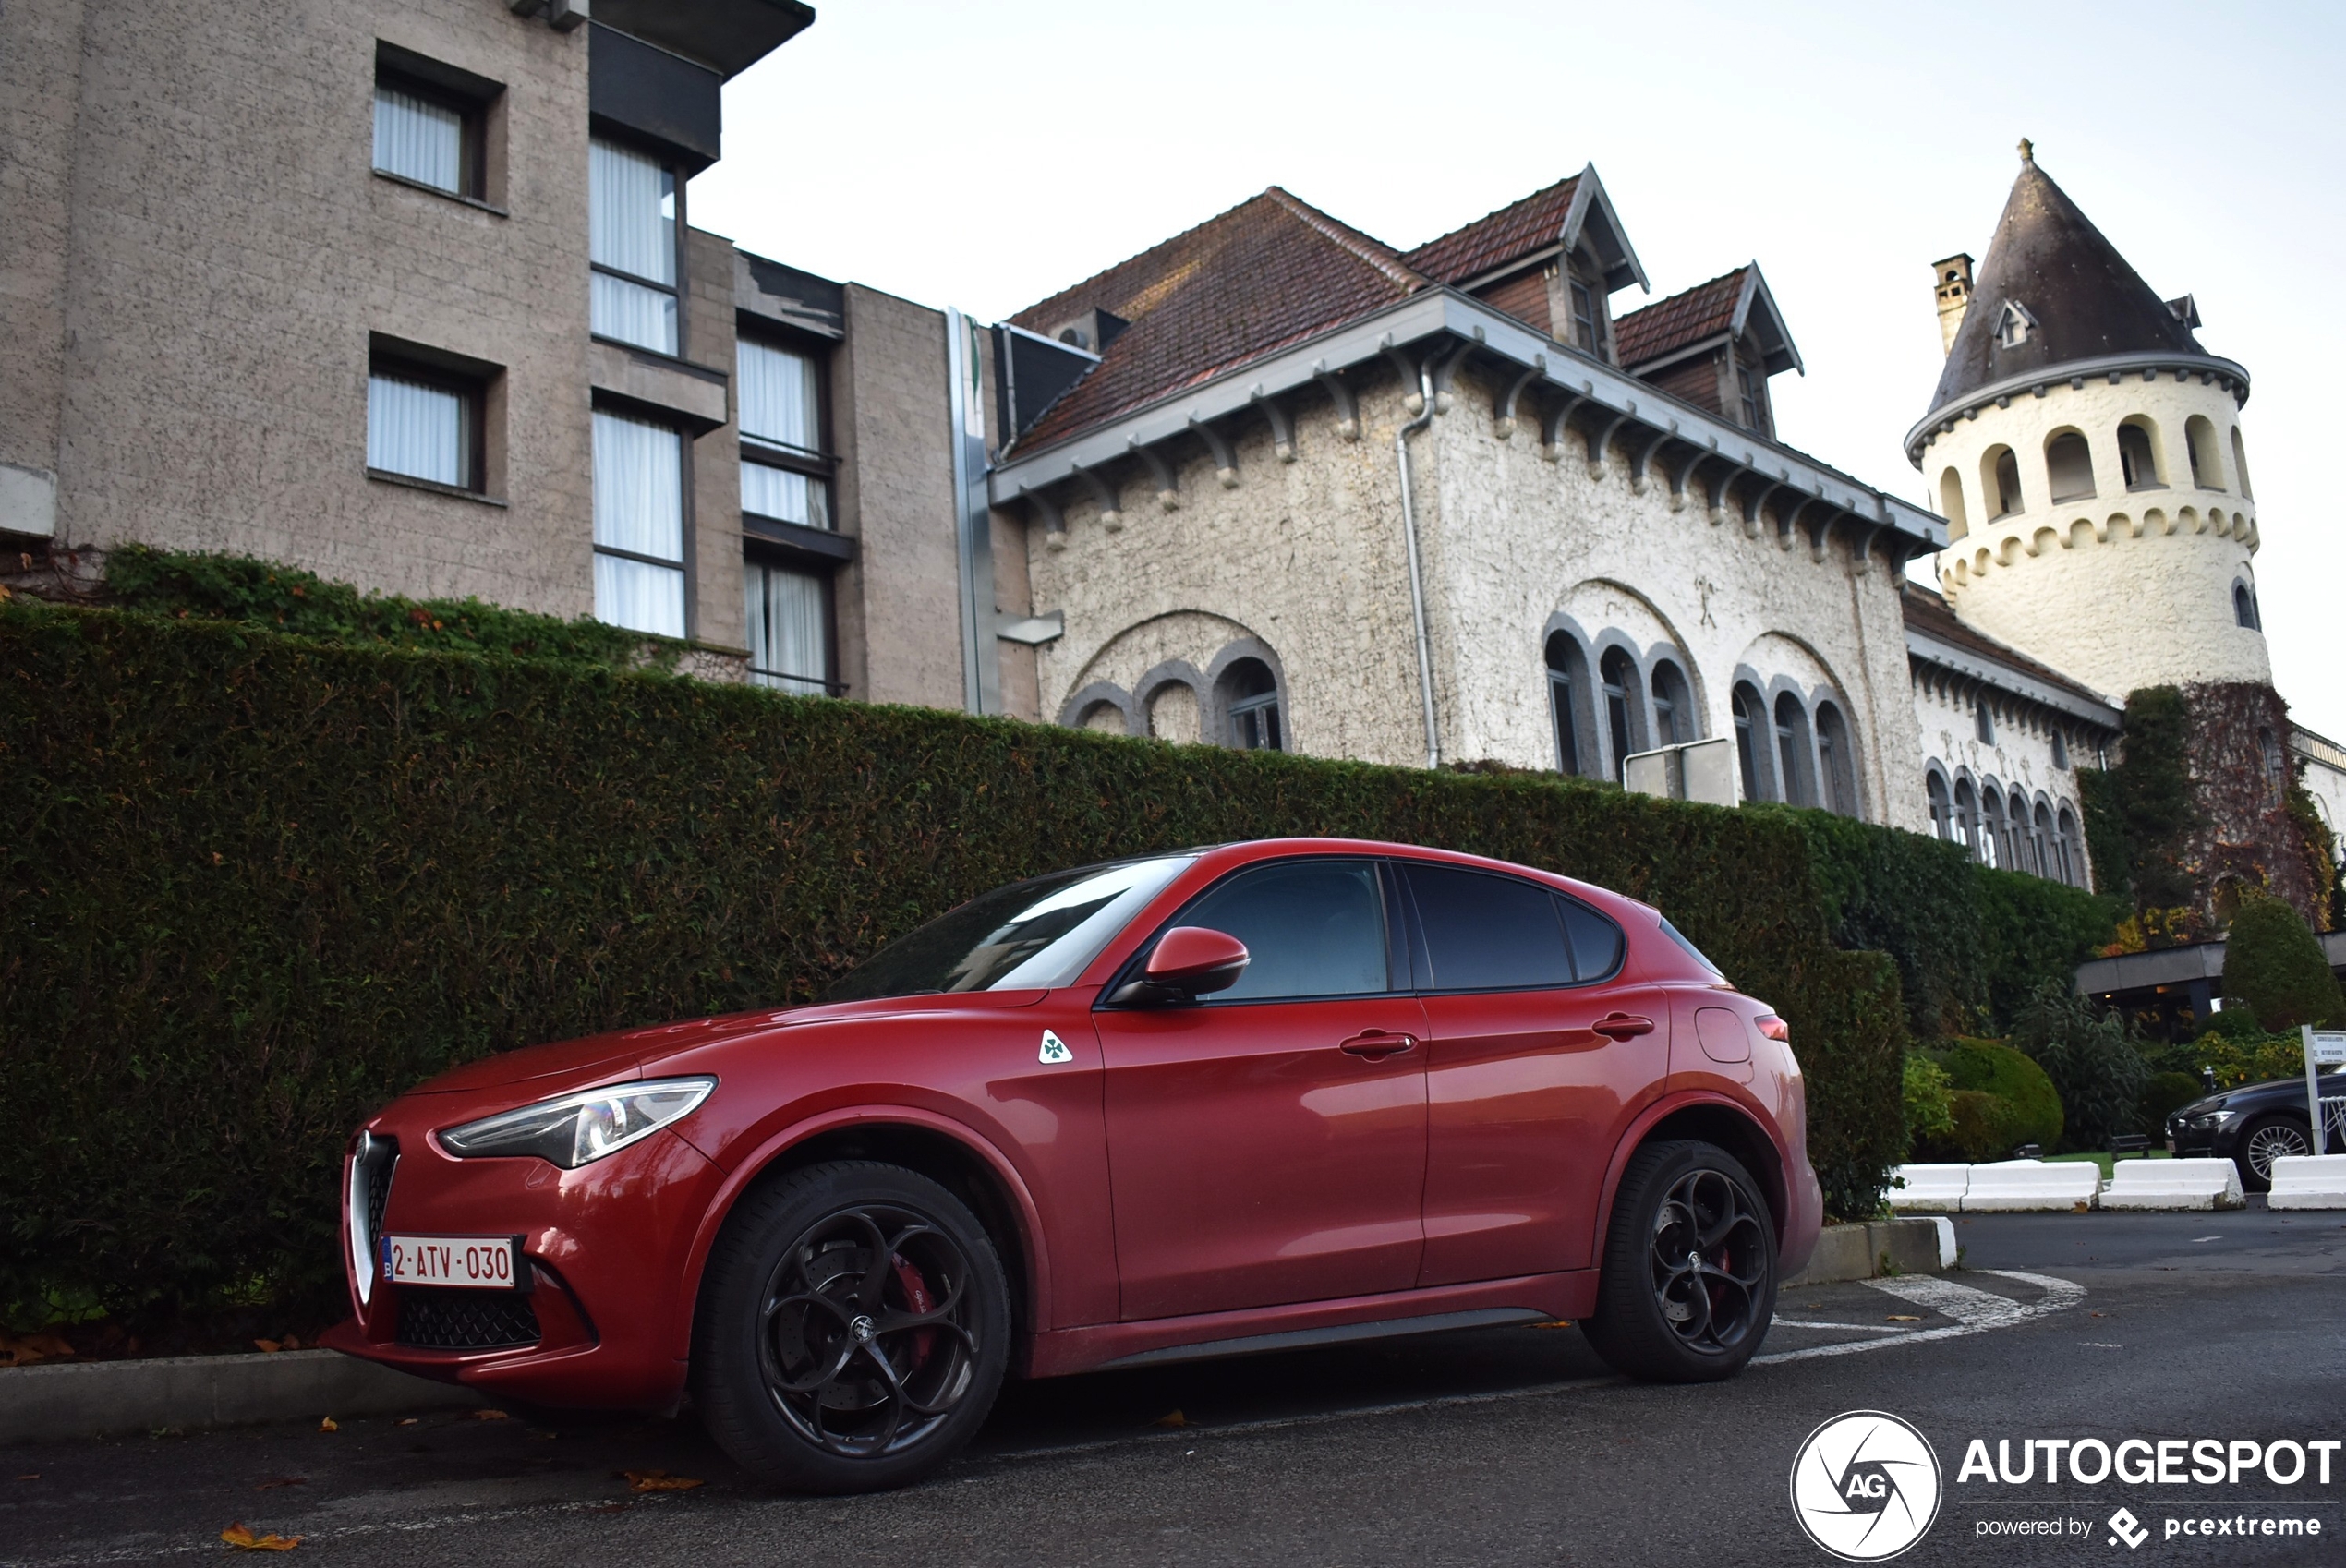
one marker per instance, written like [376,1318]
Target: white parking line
[1846,1327]
[1974,1311]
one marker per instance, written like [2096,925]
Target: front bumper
[604,1320]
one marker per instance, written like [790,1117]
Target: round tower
[2088,456]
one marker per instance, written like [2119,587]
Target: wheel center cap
[862,1328]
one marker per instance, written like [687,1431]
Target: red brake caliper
[917,1298]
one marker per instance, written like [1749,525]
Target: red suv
[1259,1096]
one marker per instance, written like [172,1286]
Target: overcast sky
[986,155]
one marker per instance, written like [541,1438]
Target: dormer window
[2014,325]
[1585,323]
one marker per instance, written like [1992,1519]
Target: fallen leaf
[245,1540]
[271,1345]
[490,1415]
[275,1481]
[1902,1318]
[404,1421]
[2093,1314]
[1558,1324]
[1175,1419]
[658,1480]
[330,1425]
[2082,1209]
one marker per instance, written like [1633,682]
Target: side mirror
[1190,961]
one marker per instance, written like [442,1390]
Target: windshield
[1029,936]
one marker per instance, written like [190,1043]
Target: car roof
[1223,855]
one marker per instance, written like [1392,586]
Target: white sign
[2325,1048]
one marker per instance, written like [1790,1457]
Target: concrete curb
[83,1399]
[1880,1247]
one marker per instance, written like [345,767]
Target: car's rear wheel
[853,1329]
[1689,1273]
[2266,1140]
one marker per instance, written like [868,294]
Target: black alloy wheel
[2266,1140]
[854,1330]
[1689,1278]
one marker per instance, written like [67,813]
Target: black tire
[1689,1281]
[853,1329]
[2264,1139]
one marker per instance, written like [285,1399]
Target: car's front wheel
[853,1329]
[1688,1284]
[2266,1140]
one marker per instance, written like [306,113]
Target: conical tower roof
[2078,297]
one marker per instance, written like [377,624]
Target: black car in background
[2256,1124]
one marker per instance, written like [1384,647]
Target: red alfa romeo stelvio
[1241,1099]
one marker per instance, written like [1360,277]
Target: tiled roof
[1490,242]
[1704,310]
[1268,273]
[1930,615]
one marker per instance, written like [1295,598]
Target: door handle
[1375,1045]
[1621,1026]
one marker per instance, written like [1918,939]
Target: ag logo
[1053,1050]
[1864,1486]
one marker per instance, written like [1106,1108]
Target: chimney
[1950,282]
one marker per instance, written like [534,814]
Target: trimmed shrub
[2273,963]
[1982,1125]
[255,886]
[1929,1116]
[1991,1067]
[2091,1057]
[2165,1093]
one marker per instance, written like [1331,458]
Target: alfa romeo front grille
[439,1318]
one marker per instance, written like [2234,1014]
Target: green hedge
[1970,944]
[257,884]
[2029,1107]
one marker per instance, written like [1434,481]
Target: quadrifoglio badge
[1866,1486]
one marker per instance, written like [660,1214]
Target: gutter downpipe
[1410,538]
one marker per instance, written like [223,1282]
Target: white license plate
[477,1263]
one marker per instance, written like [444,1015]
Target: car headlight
[577,1129]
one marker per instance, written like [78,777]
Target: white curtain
[632,228]
[787,645]
[779,493]
[639,507]
[415,429]
[779,397]
[419,139]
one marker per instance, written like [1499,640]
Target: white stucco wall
[2019,761]
[2124,588]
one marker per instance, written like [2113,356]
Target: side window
[1312,928]
[1596,941]
[1485,933]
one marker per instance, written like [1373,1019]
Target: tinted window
[1312,928]
[1678,936]
[1489,932]
[1596,941]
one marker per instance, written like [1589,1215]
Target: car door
[1535,1047]
[1267,1145]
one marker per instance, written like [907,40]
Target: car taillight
[1775,1028]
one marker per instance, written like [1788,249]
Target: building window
[2245,608]
[2136,458]
[1623,724]
[423,424]
[2206,468]
[1585,326]
[1792,748]
[2240,464]
[785,475]
[1989,845]
[632,226]
[1749,732]
[639,524]
[2043,848]
[1673,706]
[1752,387]
[1251,697]
[1983,722]
[1836,760]
[1942,816]
[2069,464]
[1966,817]
[2060,748]
[426,136]
[1567,683]
[2072,850]
[790,628]
[2000,474]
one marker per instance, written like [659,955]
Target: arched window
[1791,752]
[1999,480]
[1943,810]
[2069,466]
[1673,704]
[2240,463]
[1989,845]
[1624,715]
[2042,845]
[2072,850]
[1983,721]
[2206,468]
[2060,747]
[2137,457]
[1251,697]
[2245,608]
[1750,735]
[1951,504]
[1967,816]
[1568,704]
[1836,760]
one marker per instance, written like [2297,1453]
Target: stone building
[408,296]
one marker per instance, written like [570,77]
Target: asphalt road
[1503,1446]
